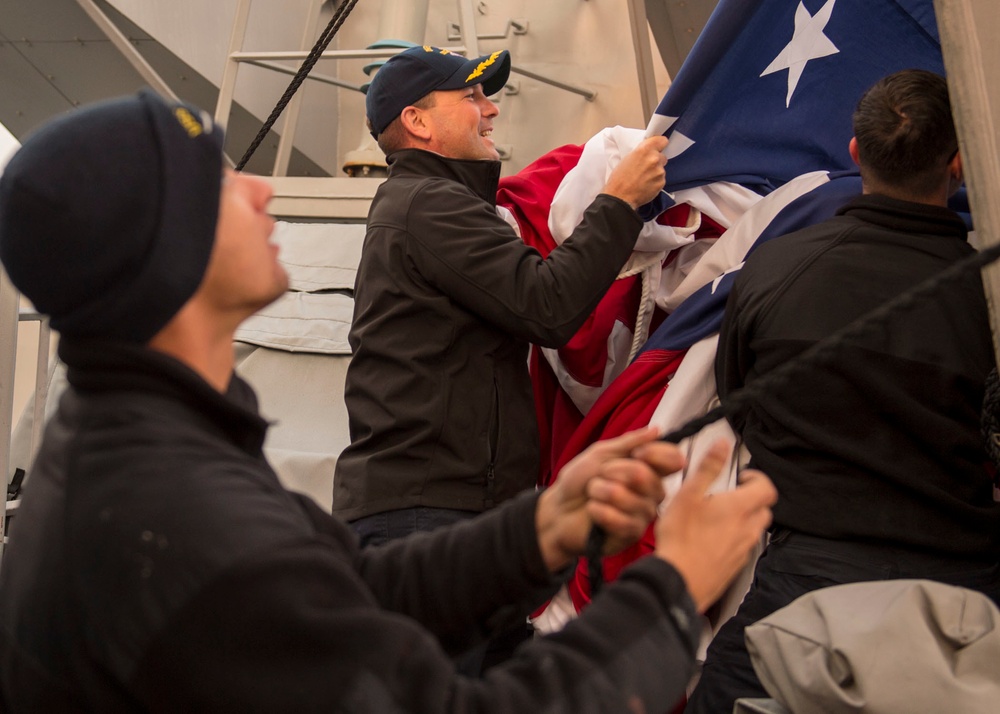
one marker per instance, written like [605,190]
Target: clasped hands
[617,484]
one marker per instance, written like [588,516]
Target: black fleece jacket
[156,564]
[446,301]
[883,444]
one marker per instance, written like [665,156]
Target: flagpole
[643,57]
[968,30]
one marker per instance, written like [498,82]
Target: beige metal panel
[300,197]
[40,79]
[587,44]
[403,20]
[62,20]
[82,72]
[676,25]
[198,32]
[28,96]
[969,31]
[126,48]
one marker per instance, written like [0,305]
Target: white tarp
[295,354]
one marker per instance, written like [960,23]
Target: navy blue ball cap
[108,213]
[413,74]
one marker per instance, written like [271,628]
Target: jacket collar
[481,176]
[906,216]
[102,367]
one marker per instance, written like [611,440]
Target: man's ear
[415,123]
[955,168]
[853,149]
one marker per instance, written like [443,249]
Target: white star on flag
[718,280]
[678,145]
[660,124]
[807,43]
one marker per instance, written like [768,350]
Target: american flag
[764,103]
[767,92]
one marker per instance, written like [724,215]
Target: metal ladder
[464,31]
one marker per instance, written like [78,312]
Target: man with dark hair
[878,457]
[448,298]
[156,563]
[904,134]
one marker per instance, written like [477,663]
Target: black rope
[818,354]
[339,16]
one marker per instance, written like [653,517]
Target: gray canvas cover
[881,647]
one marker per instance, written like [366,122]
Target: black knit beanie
[108,213]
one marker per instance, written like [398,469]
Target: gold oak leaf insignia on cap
[478,71]
[192,126]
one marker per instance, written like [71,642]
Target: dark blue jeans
[794,564]
[380,528]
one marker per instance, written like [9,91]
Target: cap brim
[491,71]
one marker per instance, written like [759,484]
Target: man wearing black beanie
[156,562]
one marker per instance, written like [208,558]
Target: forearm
[478,261]
[463,581]
[632,649]
[307,635]
[581,269]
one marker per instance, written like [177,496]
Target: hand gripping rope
[818,355]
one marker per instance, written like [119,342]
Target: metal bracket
[509,90]
[514,26]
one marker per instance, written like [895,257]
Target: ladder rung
[25,314]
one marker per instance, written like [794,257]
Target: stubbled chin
[491,148]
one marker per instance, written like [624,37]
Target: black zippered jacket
[446,301]
[882,443]
[156,564]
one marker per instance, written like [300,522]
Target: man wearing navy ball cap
[410,77]
[448,299]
